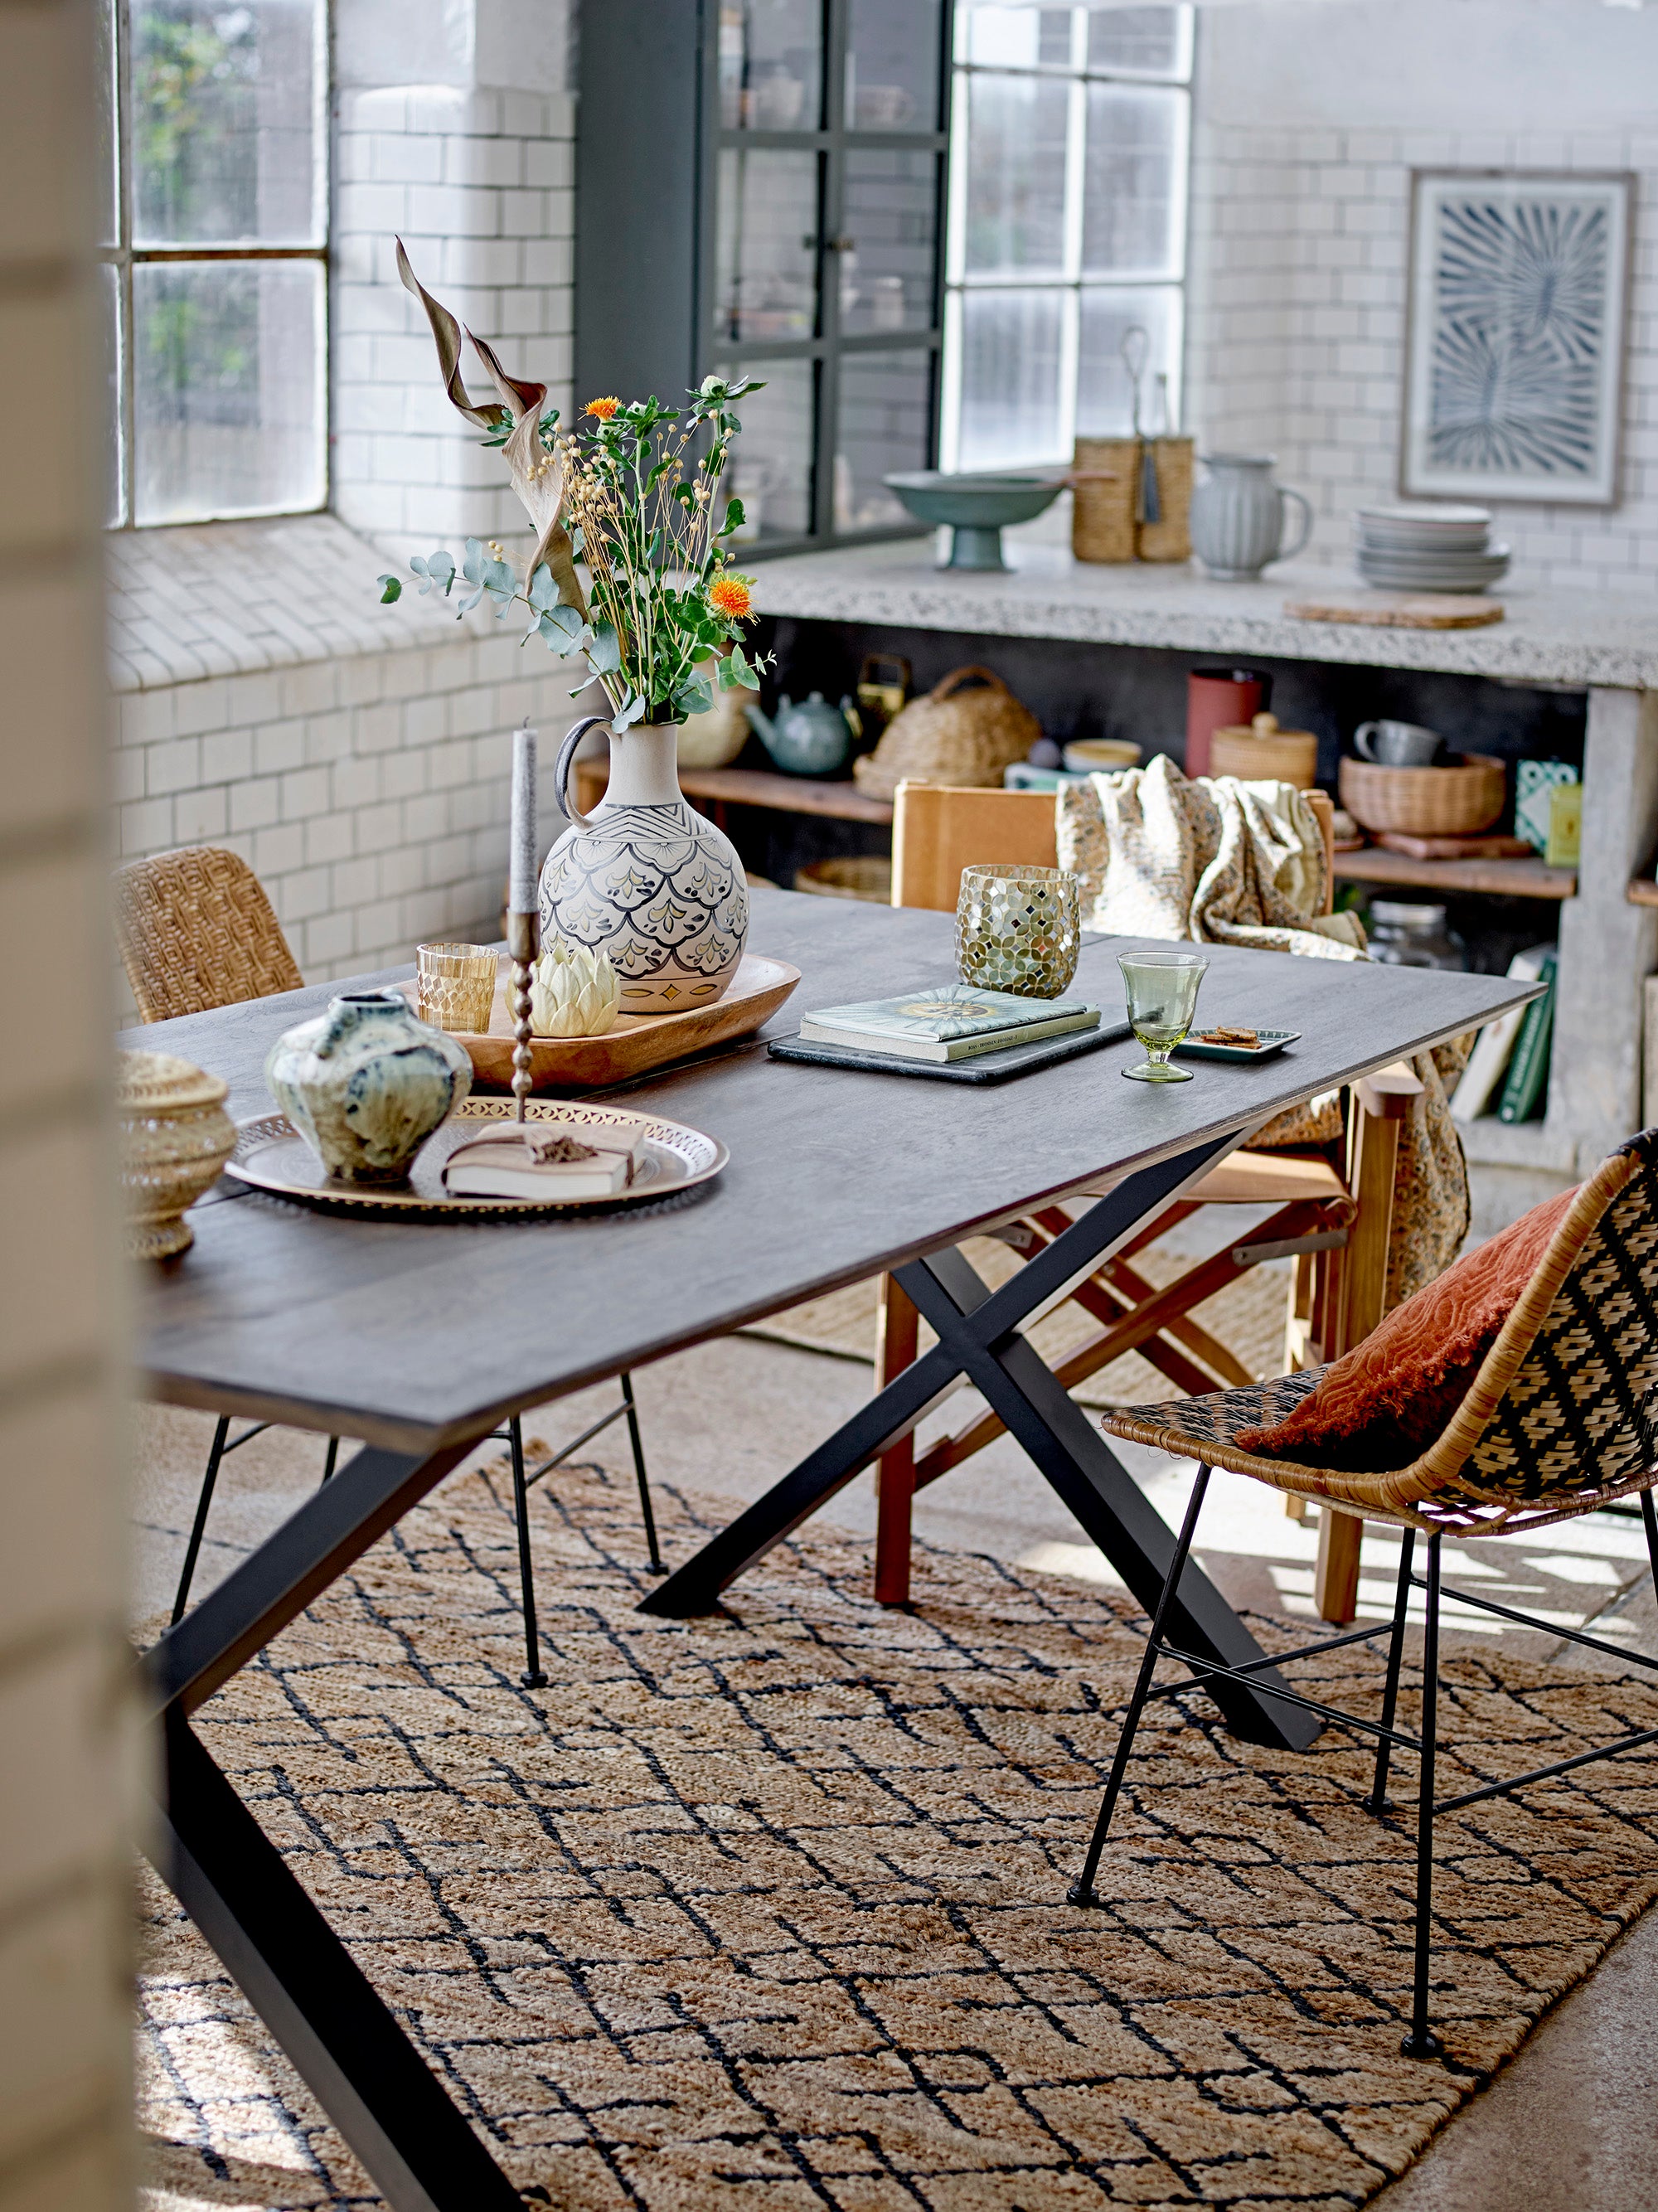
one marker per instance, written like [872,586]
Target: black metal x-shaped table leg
[237,1888]
[979,1340]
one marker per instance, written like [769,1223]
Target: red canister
[1216,697]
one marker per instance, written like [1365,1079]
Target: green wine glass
[1162,989]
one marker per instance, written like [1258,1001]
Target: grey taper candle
[521,874]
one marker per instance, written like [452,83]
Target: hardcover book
[546,1161]
[1528,1070]
[948,1021]
[1480,1090]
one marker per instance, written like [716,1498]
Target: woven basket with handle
[955,735]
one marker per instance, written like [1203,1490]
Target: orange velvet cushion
[1413,1370]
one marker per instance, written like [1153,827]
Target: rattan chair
[195,931]
[1560,1420]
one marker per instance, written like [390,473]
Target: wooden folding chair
[1336,1223]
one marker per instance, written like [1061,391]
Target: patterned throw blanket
[1216,861]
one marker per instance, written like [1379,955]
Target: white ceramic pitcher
[1237,517]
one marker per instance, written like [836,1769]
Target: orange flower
[730,595]
[605,409]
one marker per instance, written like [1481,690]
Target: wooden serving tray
[1420,611]
[638,1043]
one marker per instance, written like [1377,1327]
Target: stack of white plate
[1428,549]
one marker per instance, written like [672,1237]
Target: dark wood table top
[414,1334]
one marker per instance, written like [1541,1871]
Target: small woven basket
[1457,801]
[1170,537]
[963,738]
[857,876]
[1102,498]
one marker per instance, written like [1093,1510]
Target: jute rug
[769,1908]
[1248,1316]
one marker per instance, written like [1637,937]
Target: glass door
[826,281]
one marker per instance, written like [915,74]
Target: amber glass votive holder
[456,986]
[1018,928]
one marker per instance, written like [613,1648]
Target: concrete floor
[1566,2128]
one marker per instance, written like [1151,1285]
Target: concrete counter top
[1577,638]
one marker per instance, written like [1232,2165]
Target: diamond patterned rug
[769,1908]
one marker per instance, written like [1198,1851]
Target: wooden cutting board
[1454,848]
[1423,610]
[638,1043]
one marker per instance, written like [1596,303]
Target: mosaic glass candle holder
[456,986]
[1017,928]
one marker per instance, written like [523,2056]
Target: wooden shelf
[1643,892]
[1499,879]
[750,787]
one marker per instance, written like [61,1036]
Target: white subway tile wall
[365,783]
[1297,324]
[480,187]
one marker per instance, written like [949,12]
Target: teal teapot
[813,739]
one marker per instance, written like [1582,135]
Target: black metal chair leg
[532,1677]
[332,1461]
[1082,1890]
[1377,1800]
[657,1567]
[1649,1522]
[192,1549]
[1422,2042]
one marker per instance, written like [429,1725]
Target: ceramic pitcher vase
[645,878]
[1238,518]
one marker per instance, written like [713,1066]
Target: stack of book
[946,1021]
[1508,1071]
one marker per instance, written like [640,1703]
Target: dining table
[417,1338]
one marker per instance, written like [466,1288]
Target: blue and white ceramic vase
[645,878]
[367,1082]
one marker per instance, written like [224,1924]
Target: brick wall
[1308,125]
[65,1738]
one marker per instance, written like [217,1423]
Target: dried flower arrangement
[634,495]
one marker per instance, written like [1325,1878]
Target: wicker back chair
[1560,1420]
[197,931]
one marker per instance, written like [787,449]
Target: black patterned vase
[648,880]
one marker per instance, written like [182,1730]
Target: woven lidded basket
[964,737]
[1457,800]
[1260,751]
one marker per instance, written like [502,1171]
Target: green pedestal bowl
[974,506]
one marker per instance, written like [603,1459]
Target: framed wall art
[1513,356]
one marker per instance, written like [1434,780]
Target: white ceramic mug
[1397,744]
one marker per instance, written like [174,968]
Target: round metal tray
[272,1156]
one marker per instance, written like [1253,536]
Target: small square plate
[1271,1040]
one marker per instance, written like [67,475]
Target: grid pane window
[771,461]
[766,285]
[885,403]
[1069,163]
[216,133]
[826,274]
